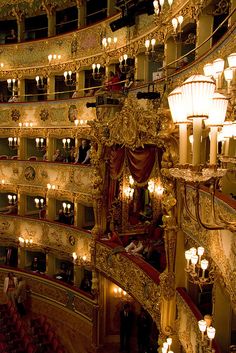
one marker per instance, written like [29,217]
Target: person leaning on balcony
[10,286]
[83,155]
[112,83]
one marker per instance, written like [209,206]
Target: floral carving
[15,114]
[44,114]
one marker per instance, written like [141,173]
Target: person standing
[143,331]
[126,320]
[21,296]
[9,287]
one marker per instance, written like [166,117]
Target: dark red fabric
[117,159]
[141,162]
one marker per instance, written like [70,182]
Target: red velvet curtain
[140,161]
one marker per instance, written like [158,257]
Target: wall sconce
[3,181]
[1,65]
[97,74]
[66,207]
[27,124]
[119,293]
[40,143]
[124,67]
[176,23]
[41,82]
[12,85]
[13,143]
[39,202]
[53,58]
[166,346]
[155,187]
[25,241]
[51,186]
[12,199]
[159,4]
[69,79]
[79,260]
[196,267]
[205,326]
[108,42]
[66,143]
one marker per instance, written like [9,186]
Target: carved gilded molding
[220,245]
[55,119]
[71,181]
[136,282]
[51,236]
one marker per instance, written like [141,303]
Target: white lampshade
[208,70]
[180,19]
[193,251]
[197,92]
[202,325]
[232,60]
[174,23]
[188,254]
[217,110]
[194,259]
[227,131]
[204,264]
[200,250]
[153,41]
[170,2]
[177,107]
[228,74]
[165,345]
[155,4]
[211,331]
[169,341]
[218,66]
[162,2]
[147,43]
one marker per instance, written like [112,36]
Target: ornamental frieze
[136,282]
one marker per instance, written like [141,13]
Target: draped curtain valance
[140,161]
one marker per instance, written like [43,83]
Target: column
[21,89]
[51,88]
[111,7]
[232,19]
[50,264]
[141,64]
[222,314]
[81,6]
[78,275]
[21,204]
[80,83]
[203,31]
[170,54]
[79,215]
[21,29]
[51,208]
[21,257]
[51,15]
[22,149]
[51,148]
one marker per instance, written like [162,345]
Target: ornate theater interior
[117,176]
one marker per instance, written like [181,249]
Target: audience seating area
[24,335]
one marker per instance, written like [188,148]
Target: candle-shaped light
[64,206]
[174,22]
[195,89]
[14,198]
[232,64]
[179,117]
[211,331]
[202,327]
[41,202]
[169,341]
[94,67]
[188,256]
[218,66]
[200,252]
[228,75]
[68,143]
[10,141]
[64,143]
[36,200]
[208,70]
[217,113]
[204,265]
[227,132]
[125,59]
[37,142]
[194,260]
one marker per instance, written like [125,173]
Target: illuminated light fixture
[79,260]
[97,73]
[124,67]
[107,43]
[25,241]
[179,117]
[211,331]
[195,89]
[208,70]
[66,143]
[218,67]
[68,78]
[202,325]
[227,133]
[66,207]
[53,58]
[40,143]
[39,202]
[12,85]
[217,113]
[177,23]
[1,65]
[12,199]
[119,292]
[155,187]
[41,82]
[13,143]
[51,186]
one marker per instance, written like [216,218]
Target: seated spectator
[35,265]
[86,284]
[71,155]
[11,37]
[135,247]
[61,216]
[13,99]
[83,156]
[58,156]
[112,83]
[42,212]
